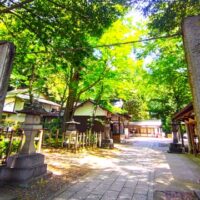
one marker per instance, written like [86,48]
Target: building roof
[9,112]
[147,123]
[92,102]
[185,113]
[23,94]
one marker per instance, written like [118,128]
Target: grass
[192,157]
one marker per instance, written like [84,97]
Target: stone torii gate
[7,51]
[191,38]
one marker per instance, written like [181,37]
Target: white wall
[87,110]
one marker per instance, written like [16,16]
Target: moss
[195,159]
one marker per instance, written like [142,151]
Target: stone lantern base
[107,143]
[175,148]
[23,168]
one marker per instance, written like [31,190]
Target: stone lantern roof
[34,109]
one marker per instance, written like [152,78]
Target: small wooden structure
[119,127]
[88,111]
[118,122]
[187,116]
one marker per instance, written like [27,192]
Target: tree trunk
[6,58]
[71,100]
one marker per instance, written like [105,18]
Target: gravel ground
[66,167]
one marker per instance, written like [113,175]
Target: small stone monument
[107,142]
[71,134]
[175,147]
[27,165]
[71,126]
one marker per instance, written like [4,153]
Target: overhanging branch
[15,6]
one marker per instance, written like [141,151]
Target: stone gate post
[191,38]
[6,58]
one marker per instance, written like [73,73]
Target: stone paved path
[142,167]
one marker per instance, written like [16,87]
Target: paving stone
[131,184]
[117,185]
[141,189]
[101,189]
[134,176]
[65,195]
[110,195]
[139,197]
[93,197]
[93,185]
[126,194]
[77,187]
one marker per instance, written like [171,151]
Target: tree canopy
[63,51]
[166,15]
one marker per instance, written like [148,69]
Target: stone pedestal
[107,143]
[175,148]
[21,169]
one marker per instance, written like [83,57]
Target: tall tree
[63,30]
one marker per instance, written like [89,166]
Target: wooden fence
[11,141]
[76,140]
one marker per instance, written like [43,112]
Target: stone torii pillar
[191,38]
[6,58]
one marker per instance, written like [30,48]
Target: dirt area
[67,168]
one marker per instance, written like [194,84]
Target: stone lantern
[71,127]
[27,165]
[107,142]
[175,147]
[71,132]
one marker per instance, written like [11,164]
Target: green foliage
[52,125]
[166,88]
[123,72]
[4,146]
[137,108]
[166,16]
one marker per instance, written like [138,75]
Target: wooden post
[6,58]
[191,37]
[181,134]
[96,139]
[100,139]
[63,137]
[57,134]
[188,136]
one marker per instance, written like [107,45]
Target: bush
[4,146]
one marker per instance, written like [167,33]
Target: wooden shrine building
[187,116]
